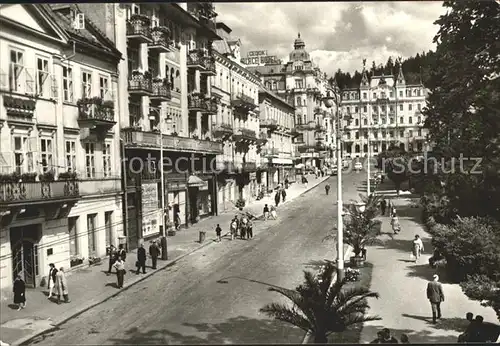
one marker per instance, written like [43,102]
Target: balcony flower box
[94,260]
[139,17]
[48,176]
[10,178]
[75,261]
[28,177]
[67,176]
[240,204]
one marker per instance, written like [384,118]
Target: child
[218,231]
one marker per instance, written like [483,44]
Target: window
[70,156]
[401,133]
[133,59]
[374,95]
[299,101]
[410,133]
[46,154]
[90,160]
[91,229]
[356,122]
[42,74]
[365,109]
[356,134]
[419,120]
[391,94]
[15,70]
[383,108]
[400,107]
[410,120]
[104,88]
[67,84]
[419,132]
[355,109]
[364,96]
[348,110]
[418,92]
[23,156]
[73,236]
[108,216]
[383,95]
[106,159]
[86,85]
[391,108]
[419,107]
[365,122]
[375,134]
[410,107]
[154,65]
[400,93]
[299,83]
[401,120]
[155,21]
[391,134]
[391,120]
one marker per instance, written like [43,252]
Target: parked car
[358,166]
[334,170]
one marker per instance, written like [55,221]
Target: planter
[171,232]
[76,262]
[94,261]
[357,262]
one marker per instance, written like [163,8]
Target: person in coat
[51,283]
[141,259]
[120,272]
[122,254]
[277,197]
[383,206]
[283,195]
[112,257]
[233,227]
[218,232]
[62,286]
[327,188]
[436,297]
[418,248]
[19,292]
[287,182]
[249,229]
[154,252]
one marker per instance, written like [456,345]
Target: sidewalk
[92,286]
[402,284]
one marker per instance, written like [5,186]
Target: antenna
[79,22]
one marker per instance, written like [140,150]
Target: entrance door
[24,242]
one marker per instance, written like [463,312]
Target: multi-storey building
[277,121]
[60,189]
[167,107]
[383,111]
[303,85]
[236,124]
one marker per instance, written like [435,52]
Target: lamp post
[329,102]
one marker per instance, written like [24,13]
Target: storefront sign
[252,175]
[204,187]
[150,212]
[176,186]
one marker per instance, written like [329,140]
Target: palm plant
[320,307]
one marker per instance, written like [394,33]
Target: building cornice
[268,93]
[236,67]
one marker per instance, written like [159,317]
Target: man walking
[141,259]
[383,206]
[122,254]
[277,198]
[266,212]
[436,297]
[112,257]
[154,252]
[327,188]
[218,232]
[283,195]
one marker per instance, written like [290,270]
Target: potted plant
[15,177]
[140,17]
[108,104]
[93,260]
[240,203]
[75,260]
[67,176]
[48,176]
[28,177]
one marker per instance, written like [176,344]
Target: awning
[194,181]
[299,166]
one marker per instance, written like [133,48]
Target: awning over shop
[300,166]
[194,181]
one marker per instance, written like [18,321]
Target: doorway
[24,246]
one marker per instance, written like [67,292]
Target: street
[214,295]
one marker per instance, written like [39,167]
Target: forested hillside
[415,69]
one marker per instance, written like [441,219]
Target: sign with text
[261,60]
[257,53]
[150,212]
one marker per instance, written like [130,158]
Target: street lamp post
[329,102]
[368,186]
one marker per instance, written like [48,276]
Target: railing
[96,109]
[161,88]
[270,152]
[268,123]
[138,25]
[150,139]
[195,102]
[244,98]
[28,192]
[140,82]
[100,186]
[209,64]
[222,129]
[249,166]
[161,37]
[247,133]
[228,166]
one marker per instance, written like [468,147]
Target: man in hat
[436,297]
[154,252]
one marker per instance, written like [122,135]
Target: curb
[347,253]
[26,340]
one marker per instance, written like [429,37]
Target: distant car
[334,170]
[345,164]
[358,166]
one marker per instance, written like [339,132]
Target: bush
[240,203]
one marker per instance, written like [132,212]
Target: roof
[264,90]
[267,69]
[223,26]
[61,14]
[222,47]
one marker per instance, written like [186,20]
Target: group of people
[56,283]
[478,330]
[242,226]
[384,336]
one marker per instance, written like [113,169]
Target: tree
[395,163]
[322,308]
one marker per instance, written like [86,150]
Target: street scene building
[236,123]
[383,111]
[303,85]
[60,186]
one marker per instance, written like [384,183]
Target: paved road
[214,295]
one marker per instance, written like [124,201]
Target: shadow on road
[424,336]
[318,264]
[240,330]
[455,324]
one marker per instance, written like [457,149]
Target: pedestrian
[274,214]
[465,336]
[218,232]
[112,257]
[122,254]
[277,198]
[51,279]
[393,211]
[389,206]
[379,339]
[383,205]
[404,339]
[243,226]
[62,286]
[436,297]
[266,212]
[283,195]
[177,220]
[418,248]
[287,182]
[120,271]
[233,227]
[154,252]
[141,259]
[327,188]
[249,229]
[396,226]
[388,338]
[19,290]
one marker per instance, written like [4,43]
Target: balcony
[271,124]
[249,166]
[100,186]
[138,29]
[243,134]
[160,40]
[161,90]
[222,130]
[20,194]
[94,113]
[319,128]
[138,139]
[209,64]
[140,84]
[305,148]
[242,101]
[320,136]
[198,102]
[262,140]
[201,59]
[270,152]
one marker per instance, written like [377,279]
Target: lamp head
[328,101]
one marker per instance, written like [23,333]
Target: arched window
[356,149]
[365,122]
[401,120]
[356,122]
[365,148]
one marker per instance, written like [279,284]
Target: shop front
[201,201]
[151,210]
[176,197]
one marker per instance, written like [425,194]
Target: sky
[336,34]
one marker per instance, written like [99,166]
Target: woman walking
[62,286]
[52,279]
[277,197]
[19,292]
[396,227]
[418,248]
[120,272]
